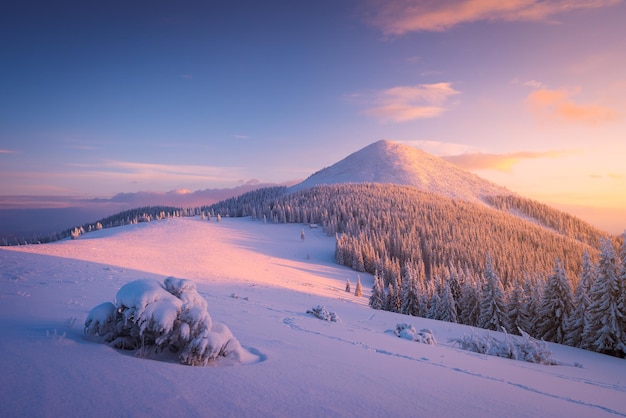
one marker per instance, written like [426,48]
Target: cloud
[557,104]
[440,148]
[405,103]
[397,17]
[533,83]
[7,151]
[136,172]
[499,162]
[186,76]
[239,136]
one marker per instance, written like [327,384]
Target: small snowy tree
[377,298]
[348,289]
[359,288]
[302,236]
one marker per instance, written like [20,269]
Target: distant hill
[394,163]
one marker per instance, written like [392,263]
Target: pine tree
[579,319]
[604,327]
[447,308]
[359,288]
[557,303]
[469,304]
[410,291]
[621,346]
[394,298]
[377,298]
[348,289]
[493,310]
[516,313]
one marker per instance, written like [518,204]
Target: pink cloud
[405,103]
[397,17]
[557,104]
[499,162]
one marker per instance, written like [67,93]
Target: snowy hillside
[391,162]
[260,280]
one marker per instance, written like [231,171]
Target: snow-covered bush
[524,348]
[408,332]
[322,313]
[169,318]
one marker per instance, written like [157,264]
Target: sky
[109,97]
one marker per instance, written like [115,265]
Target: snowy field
[259,279]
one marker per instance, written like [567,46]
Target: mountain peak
[391,162]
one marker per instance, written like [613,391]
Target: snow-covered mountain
[391,162]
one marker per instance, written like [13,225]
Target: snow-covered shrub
[322,313]
[168,318]
[408,332]
[101,320]
[524,348]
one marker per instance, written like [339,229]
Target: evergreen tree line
[127,217]
[382,227]
[561,222]
[591,316]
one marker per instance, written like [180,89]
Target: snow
[290,363]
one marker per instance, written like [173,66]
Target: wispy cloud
[7,151]
[499,162]
[186,76]
[558,104]
[240,136]
[397,17]
[406,103]
[440,148]
[137,172]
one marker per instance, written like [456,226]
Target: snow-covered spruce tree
[434,301]
[348,288]
[517,314]
[493,309]
[557,303]
[469,302]
[621,277]
[394,297]
[605,318]
[359,287]
[160,319]
[377,298]
[410,291]
[580,317]
[447,307]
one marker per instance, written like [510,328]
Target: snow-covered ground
[259,279]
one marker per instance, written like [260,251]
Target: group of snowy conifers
[168,318]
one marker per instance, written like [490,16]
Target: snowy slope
[391,162]
[259,280]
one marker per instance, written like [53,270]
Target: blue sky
[101,98]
